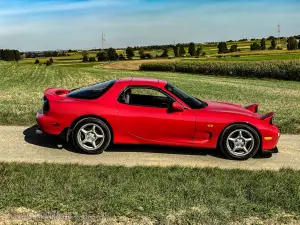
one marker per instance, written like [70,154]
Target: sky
[34,25]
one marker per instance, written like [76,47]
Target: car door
[145,114]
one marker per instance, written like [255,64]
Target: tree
[273,43]
[112,54]
[37,61]
[254,46]
[292,43]
[222,46]
[17,55]
[192,49]
[121,57]
[199,51]
[175,49]
[299,43]
[129,52]
[165,53]
[263,44]
[142,53]
[181,51]
[85,55]
[102,56]
[234,48]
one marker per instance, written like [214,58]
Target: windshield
[93,91]
[192,102]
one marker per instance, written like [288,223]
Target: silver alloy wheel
[240,142]
[90,136]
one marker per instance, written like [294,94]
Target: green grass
[173,194]
[22,87]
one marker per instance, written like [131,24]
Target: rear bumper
[48,124]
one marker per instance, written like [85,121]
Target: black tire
[248,130]
[101,127]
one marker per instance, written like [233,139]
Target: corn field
[279,69]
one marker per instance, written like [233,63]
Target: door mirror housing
[177,107]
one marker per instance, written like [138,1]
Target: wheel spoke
[94,129]
[241,134]
[99,136]
[247,140]
[232,139]
[84,131]
[84,141]
[245,149]
[94,144]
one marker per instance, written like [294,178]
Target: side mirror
[177,107]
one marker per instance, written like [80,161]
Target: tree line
[45,54]
[293,43]
[10,55]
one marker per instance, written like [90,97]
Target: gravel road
[21,144]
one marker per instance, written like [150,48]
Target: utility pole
[103,40]
[278,35]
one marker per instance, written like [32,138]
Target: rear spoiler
[54,93]
[267,117]
[252,108]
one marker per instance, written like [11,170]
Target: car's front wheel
[239,141]
[91,135]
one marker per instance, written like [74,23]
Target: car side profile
[153,111]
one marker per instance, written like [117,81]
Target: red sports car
[153,111]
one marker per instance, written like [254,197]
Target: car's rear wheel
[91,135]
[239,141]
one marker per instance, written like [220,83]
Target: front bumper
[274,150]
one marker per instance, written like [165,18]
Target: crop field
[274,69]
[22,86]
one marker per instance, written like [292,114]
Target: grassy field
[22,86]
[173,195]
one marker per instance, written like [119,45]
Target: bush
[121,57]
[51,60]
[283,69]
[37,61]
[255,46]
[92,59]
[149,56]
[102,56]
[48,63]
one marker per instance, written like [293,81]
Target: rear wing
[54,93]
[267,117]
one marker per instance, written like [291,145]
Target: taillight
[46,105]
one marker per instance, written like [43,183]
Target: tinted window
[192,102]
[92,92]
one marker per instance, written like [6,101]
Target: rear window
[91,92]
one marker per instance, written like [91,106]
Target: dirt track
[133,64]
[21,144]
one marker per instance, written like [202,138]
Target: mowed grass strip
[162,194]
[22,87]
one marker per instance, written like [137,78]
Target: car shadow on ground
[54,142]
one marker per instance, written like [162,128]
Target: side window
[145,96]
